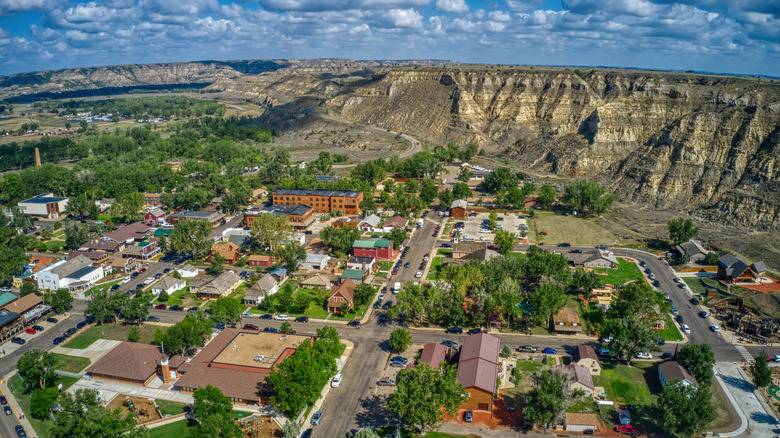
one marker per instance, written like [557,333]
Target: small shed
[581,422]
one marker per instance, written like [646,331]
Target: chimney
[166,372]
[37,158]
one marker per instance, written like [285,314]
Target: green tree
[711,258]
[584,195]
[685,410]
[37,368]
[429,191]
[505,241]
[217,264]
[586,281]
[465,174]
[398,236]
[191,237]
[27,289]
[269,230]
[163,297]
[547,196]
[546,301]
[291,429]
[424,395]
[213,409]
[762,374]
[400,340]
[501,179]
[699,360]
[681,230]
[461,191]
[134,335]
[136,309]
[551,396]
[299,379]
[286,327]
[83,416]
[41,400]
[129,206]
[492,220]
[368,206]
[446,197]
[292,254]
[227,310]
[640,300]
[412,186]
[76,233]
[506,351]
[363,294]
[339,239]
[628,336]
[60,300]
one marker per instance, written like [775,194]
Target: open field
[73,364]
[626,271]
[116,332]
[572,229]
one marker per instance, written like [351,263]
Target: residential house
[580,377]
[152,199]
[575,422]
[300,217]
[315,281]
[129,233]
[322,201]
[188,271]
[211,217]
[459,209]
[567,322]
[168,285]
[228,250]
[279,274]
[99,258]
[174,165]
[463,248]
[75,274]
[395,222]
[155,217]
[137,364]
[434,354]
[45,205]
[262,261]
[694,249]
[377,248]
[592,259]
[586,356]
[238,236]
[367,264]
[265,286]
[104,204]
[123,265]
[216,201]
[315,262]
[734,270]
[478,371]
[671,370]
[341,294]
[369,224]
[357,276]
[103,244]
[143,250]
[347,222]
[221,286]
[257,195]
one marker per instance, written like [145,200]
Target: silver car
[315,419]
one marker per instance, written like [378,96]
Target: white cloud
[11,6]
[405,17]
[455,6]
[500,16]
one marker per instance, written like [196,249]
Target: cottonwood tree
[214,412]
[699,360]
[681,230]
[363,294]
[82,415]
[585,194]
[269,230]
[546,300]
[586,281]
[424,395]
[339,239]
[685,410]
[60,300]
[191,237]
[551,396]
[628,336]
[505,241]
[37,368]
[400,340]
[292,254]
[762,374]
[500,179]
[547,195]
[226,310]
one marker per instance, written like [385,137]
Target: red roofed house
[343,293]
[434,354]
[229,250]
[260,260]
[478,370]
[154,217]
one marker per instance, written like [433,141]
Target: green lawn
[444,252]
[175,429]
[445,233]
[176,297]
[385,265]
[529,366]
[629,384]
[73,364]
[110,331]
[101,286]
[436,264]
[695,285]
[170,407]
[625,271]
[42,427]
[670,333]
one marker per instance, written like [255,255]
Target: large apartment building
[321,201]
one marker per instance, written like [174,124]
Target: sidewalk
[94,352]
[340,362]
[757,418]
[6,391]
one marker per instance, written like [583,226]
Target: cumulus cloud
[12,6]
[405,17]
[455,6]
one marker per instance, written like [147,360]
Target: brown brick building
[321,201]
[299,216]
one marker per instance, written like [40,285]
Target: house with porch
[264,287]
[735,270]
[478,371]
[567,322]
[671,370]
[357,276]
[155,217]
[262,261]
[228,250]
[342,294]
[369,224]
[221,286]
[580,377]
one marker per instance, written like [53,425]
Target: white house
[295,237]
[370,223]
[44,205]
[365,263]
[315,262]
[264,287]
[74,274]
[169,285]
[188,271]
[671,370]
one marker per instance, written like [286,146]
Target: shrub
[134,335]
[43,247]
[57,225]
[163,296]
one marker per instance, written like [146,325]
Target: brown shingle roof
[23,304]
[129,360]
[434,354]
[582,419]
[261,288]
[468,247]
[672,370]
[346,289]
[136,230]
[567,315]
[585,352]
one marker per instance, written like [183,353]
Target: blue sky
[733,36]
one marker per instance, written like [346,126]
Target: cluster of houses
[19,313]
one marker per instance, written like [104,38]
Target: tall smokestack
[37,158]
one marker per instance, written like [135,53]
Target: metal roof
[317,192]
[82,272]
[42,199]
[353,273]
[372,243]
[6,297]
[7,316]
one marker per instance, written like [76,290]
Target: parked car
[8,410]
[388,304]
[378,304]
[52,319]
[30,330]
[679,318]
[250,327]
[336,381]
[281,317]
[686,329]
[58,340]
[3,400]
[715,328]
[161,306]
[474,331]
[406,265]
[628,429]
[675,311]
[449,343]
[177,308]
[152,318]
[114,287]
[18,340]
[383,317]
[677,280]
[271,330]
[316,418]
[656,283]
[703,314]
[564,245]
[355,324]
[142,270]
[681,285]
[385,382]
[644,355]
[166,270]
[643,263]
[302,319]
[309,431]
[602,247]
[549,350]
[266,316]
[418,274]
[694,301]
[661,341]
[526,349]
[193,309]
[71,331]
[456,330]
[576,251]
[20,431]
[400,359]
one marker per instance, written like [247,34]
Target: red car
[250,327]
[142,270]
[30,331]
[628,430]
[160,306]
[543,233]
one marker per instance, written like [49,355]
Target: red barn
[377,248]
[154,217]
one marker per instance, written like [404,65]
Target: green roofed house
[163,231]
[6,298]
[356,275]
[378,248]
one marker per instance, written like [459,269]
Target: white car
[715,328]
[686,329]
[418,274]
[336,381]
[281,317]
[126,280]
[644,355]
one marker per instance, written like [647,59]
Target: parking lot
[152,269]
[472,227]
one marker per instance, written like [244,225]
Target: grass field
[625,271]
[444,252]
[629,384]
[74,364]
[572,229]
[170,407]
[670,333]
[433,272]
[116,332]
[175,429]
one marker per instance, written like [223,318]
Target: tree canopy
[424,395]
[82,415]
[681,230]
